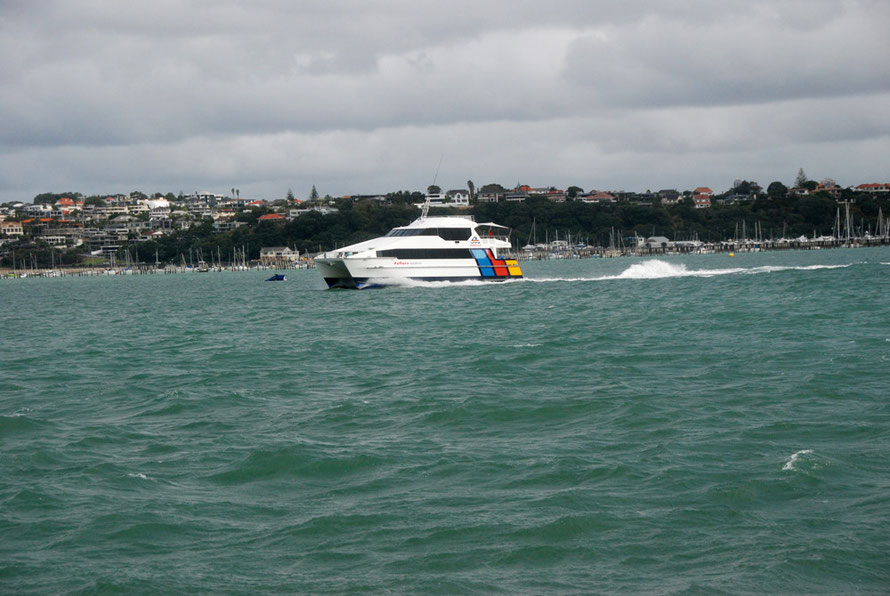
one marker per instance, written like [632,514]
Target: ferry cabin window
[444,233]
[413,232]
[455,233]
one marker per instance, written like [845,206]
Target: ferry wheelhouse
[446,248]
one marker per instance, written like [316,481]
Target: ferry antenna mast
[426,204]
[436,177]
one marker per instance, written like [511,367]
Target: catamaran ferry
[449,248]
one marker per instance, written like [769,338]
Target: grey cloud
[274,93]
[670,63]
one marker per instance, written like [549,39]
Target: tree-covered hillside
[594,223]
[776,213]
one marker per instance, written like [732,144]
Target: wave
[789,465]
[658,269]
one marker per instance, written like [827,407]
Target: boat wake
[650,269]
[658,269]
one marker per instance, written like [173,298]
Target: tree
[817,211]
[776,190]
[493,188]
[472,188]
[290,195]
[432,189]
[314,194]
[801,178]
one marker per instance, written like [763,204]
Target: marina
[664,248]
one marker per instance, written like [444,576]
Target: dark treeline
[790,215]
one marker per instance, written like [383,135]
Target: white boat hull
[359,273]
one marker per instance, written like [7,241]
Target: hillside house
[271,217]
[11,228]
[458,198]
[669,196]
[702,197]
[873,187]
[597,197]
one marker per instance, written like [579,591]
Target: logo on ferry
[474,239]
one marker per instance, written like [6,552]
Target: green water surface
[688,424]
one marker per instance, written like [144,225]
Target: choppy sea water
[677,425]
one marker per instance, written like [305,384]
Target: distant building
[224,225]
[11,228]
[829,187]
[701,196]
[455,199]
[656,243]
[873,187]
[323,209]
[490,193]
[701,201]
[278,256]
[669,196]
[271,217]
[556,195]
[517,195]
[458,198]
[38,209]
[597,197]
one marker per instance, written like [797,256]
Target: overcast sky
[367,96]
